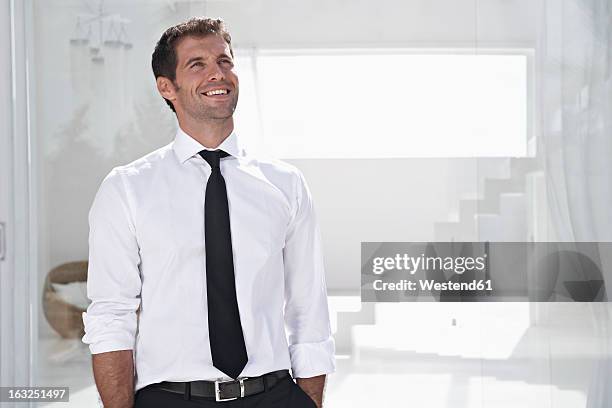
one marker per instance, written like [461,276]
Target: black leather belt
[224,390]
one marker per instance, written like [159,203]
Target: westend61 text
[430,285]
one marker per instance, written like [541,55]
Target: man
[205,267]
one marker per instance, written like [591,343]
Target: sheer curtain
[577,144]
[577,122]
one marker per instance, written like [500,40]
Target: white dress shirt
[147,268]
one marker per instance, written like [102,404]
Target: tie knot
[213,157]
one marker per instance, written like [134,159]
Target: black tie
[224,329]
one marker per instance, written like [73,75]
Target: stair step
[468,208]
[345,323]
[509,225]
[455,231]
[520,167]
[494,187]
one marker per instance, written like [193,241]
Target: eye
[226,61]
[197,64]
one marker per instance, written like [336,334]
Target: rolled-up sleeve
[113,281]
[311,345]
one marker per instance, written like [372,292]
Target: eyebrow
[194,59]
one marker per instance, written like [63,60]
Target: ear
[166,88]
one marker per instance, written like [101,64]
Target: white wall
[361,23]
[381,200]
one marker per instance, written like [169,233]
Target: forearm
[114,376]
[313,386]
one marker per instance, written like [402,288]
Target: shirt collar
[185,146]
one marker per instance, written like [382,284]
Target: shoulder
[140,169]
[276,169]
[284,176]
[122,180]
[146,163]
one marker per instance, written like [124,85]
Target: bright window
[385,104]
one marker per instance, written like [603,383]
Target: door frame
[19,308]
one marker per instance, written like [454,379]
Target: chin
[219,114]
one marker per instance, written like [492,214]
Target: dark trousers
[285,394]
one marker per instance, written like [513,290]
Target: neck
[210,133]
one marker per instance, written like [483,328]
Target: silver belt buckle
[218,390]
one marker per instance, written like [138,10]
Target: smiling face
[206,85]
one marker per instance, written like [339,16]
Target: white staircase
[506,211]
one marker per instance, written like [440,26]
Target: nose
[216,73]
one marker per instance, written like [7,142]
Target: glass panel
[96,107]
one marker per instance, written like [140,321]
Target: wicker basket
[66,319]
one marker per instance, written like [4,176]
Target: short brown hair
[164,58]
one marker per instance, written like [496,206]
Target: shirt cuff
[108,333]
[312,359]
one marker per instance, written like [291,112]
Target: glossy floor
[476,355]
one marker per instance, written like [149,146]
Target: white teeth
[216,92]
